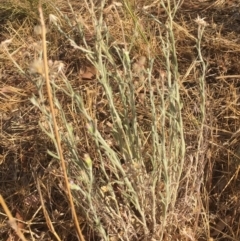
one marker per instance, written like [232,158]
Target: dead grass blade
[46,215]
[55,125]
[12,221]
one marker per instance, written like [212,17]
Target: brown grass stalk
[46,215]
[12,221]
[62,161]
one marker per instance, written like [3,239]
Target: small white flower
[201,21]
[53,19]
[37,29]
[61,67]
[37,67]
[6,42]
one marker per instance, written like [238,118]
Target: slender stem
[56,130]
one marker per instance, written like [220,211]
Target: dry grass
[144,99]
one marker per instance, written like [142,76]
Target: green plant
[126,174]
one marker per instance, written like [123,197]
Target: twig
[228,76]
[12,220]
[46,215]
[49,92]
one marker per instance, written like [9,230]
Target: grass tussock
[119,120]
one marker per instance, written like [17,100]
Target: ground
[145,102]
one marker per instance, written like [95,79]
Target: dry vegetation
[137,137]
